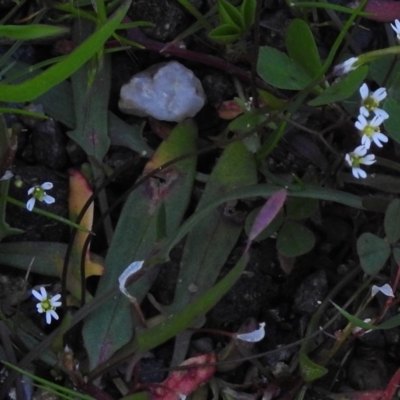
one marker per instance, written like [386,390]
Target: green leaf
[225,33]
[30,32]
[150,338]
[91,98]
[373,253]
[230,15]
[301,47]
[389,324]
[203,259]
[392,107]
[309,370]
[280,71]
[343,89]
[33,88]
[248,11]
[392,221]
[135,239]
[247,121]
[299,209]
[294,239]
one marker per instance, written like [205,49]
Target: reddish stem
[136,35]
[383,10]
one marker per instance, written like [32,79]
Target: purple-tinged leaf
[267,214]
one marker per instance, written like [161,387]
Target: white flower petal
[364,112]
[30,191]
[43,292]
[376,121]
[132,269]
[7,175]
[39,308]
[254,336]
[54,314]
[359,173]
[49,199]
[379,137]
[36,294]
[379,94]
[30,204]
[366,142]
[386,289]
[47,186]
[364,91]
[360,151]
[369,159]
[381,113]
[345,67]
[348,160]
[48,318]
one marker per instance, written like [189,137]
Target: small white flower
[396,28]
[47,304]
[39,193]
[386,289]
[357,157]
[370,101]
[370,131]
[346,67]
[254,336]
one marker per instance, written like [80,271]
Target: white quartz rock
[166,91]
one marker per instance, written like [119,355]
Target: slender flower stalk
[371,100]
[39,193]
[47,304]
[356,158]
[370,131]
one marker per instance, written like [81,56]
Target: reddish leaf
[185,381]
[267,213]
[229,109]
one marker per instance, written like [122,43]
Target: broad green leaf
[309,370]
[33,88]
[248,11]
[136,237]
[294,239]
[280,71]
[150,338]
[90,90]
[301,47]
[275,224]
[392,107]
[373,253]
[392,221]
[343,89]
[299,209]
[230,15]
[203,259]
[225,33]
[30,32]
